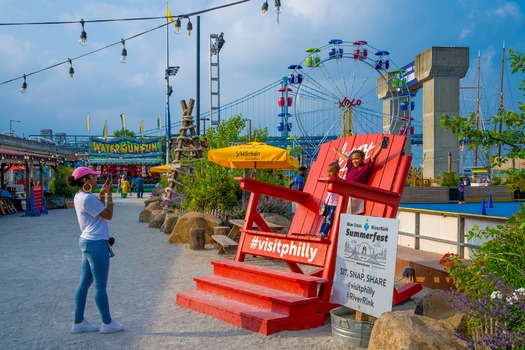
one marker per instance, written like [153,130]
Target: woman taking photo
[93,213]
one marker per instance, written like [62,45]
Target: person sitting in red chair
[357,170]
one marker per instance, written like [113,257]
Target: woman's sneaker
[113,327]
[84,326]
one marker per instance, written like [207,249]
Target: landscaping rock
[169,222]
[181,231]
[153,206]
[145,216]
[152,199]
[405,330]
[157,220]
[436,304]
[156,212]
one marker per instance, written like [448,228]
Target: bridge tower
[437,71]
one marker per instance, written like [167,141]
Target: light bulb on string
[83,34]
[264,8]
[71,70]
[177,25]
[124,53]
[24,86]
[189,27]
[277,6]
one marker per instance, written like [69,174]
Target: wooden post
[361,317]
[196,238]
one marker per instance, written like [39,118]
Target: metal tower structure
[216,44]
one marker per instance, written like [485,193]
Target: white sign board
[366,263]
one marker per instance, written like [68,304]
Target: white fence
[440,232]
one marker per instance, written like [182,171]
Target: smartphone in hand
[109,183]
[384,142]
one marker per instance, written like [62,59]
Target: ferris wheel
[344,88]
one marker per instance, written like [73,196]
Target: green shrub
[59,187]
[449,179]
[496,181]
[490,288]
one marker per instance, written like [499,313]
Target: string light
[189,27]
[177,26]
[24,86]
[71,70]
[83,34]
[277,6]
[124,53]
[264,8]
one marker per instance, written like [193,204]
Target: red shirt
[356,175]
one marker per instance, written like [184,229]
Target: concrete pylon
[439,69]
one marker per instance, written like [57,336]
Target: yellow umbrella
[160,169]
[253,155]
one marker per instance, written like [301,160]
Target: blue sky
[257,52]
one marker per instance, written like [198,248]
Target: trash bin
[345,328]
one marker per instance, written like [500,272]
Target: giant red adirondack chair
[269,300]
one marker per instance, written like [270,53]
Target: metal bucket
[345,329]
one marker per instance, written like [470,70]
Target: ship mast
[477,109]
[500,109]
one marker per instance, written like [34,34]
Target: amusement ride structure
[339,89]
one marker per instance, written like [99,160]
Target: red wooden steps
[247,316]
[239,293]
[283,280]
[261,297]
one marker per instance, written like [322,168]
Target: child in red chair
[330,202]
[357,170]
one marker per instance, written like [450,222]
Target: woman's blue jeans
[94,268]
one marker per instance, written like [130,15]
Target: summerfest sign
[366,262]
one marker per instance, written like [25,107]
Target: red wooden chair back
[384,175]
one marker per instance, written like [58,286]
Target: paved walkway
[40,266]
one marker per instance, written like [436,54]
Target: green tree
[124,133]
[229,131]
[209,185]
[449,179]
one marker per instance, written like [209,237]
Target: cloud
[15,52]
[139,79]
[257,51]
[465,32]
[509,10]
